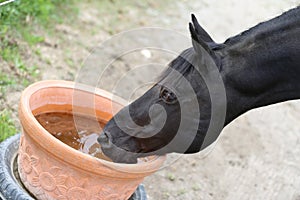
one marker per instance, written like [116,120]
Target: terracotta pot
[50,169]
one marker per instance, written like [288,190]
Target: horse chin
[119,155]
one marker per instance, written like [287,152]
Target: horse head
[175,114]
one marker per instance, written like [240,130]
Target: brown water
[79,132]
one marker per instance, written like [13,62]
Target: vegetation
[7,127]
[21,22]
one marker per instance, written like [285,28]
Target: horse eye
[167,96]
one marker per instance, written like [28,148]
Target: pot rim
[83,161]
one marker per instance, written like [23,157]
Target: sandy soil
[256,156]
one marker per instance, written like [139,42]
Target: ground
[256,156]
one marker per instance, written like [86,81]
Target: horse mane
[278,23]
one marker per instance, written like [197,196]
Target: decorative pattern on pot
[48,182]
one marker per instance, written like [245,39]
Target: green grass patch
[27,22]
[171,177]
[6,80]
[7,127]
[24,24]
[9,49]
[22,12]
[22,19]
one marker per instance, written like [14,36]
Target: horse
[258,67]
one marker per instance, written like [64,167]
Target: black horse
[258,67]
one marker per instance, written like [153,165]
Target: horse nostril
[103,138]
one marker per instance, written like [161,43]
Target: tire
[11,189]
[139,194]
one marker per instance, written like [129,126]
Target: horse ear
[200,31]
[201,39]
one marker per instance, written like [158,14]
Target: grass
[196,187]
[181,192]
[5,81]
[23,25]
[171,177]
[22,21]
[20,13]
[7,127]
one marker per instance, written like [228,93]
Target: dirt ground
[256,156]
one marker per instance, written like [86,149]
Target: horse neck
[262,66]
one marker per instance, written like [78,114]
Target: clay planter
[50,169]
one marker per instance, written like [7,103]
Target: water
[79,132]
